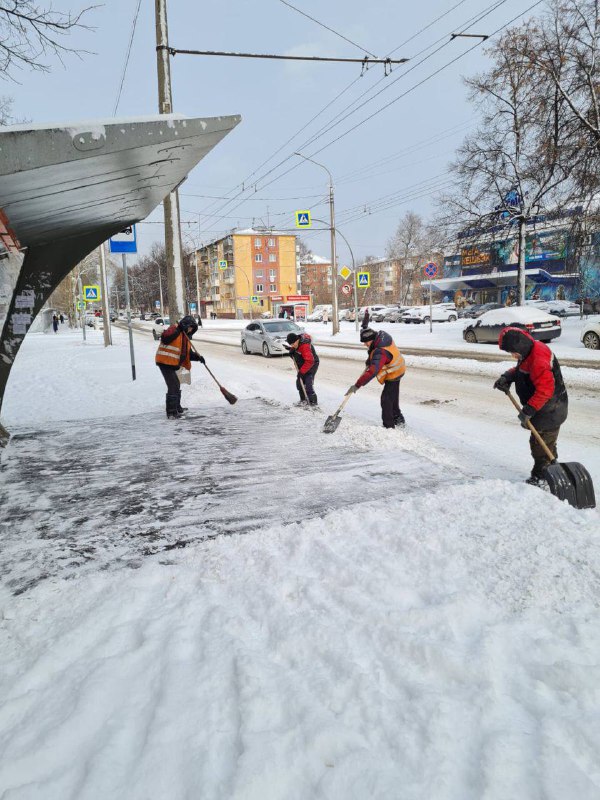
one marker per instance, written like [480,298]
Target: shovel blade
[571,482]
[331,424]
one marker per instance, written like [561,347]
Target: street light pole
[245,274]
[334,301]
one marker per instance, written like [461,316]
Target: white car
[590,335]
[158,326]
[559,308]
[267,336]
[439,313]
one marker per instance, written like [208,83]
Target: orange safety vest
[395,368]
[176,353]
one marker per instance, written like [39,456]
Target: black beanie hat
[367,335]
[514,340]
[292,337]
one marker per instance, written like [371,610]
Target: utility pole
[173,244]
[162,305]
[335,323]
[104,296]
[197,285]
[81,310]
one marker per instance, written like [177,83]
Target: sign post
[126,242]
[430,271]
[81,305]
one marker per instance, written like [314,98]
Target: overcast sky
[413,140]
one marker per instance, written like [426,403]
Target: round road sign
[431,269]
[346,288]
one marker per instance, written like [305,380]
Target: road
[460,412]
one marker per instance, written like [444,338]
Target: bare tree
[31,34]
[411,245]
[522,158]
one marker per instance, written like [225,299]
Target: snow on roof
[90,125]
[311,258]
[510,314]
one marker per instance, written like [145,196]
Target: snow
[95,125]
[381,621]
[445,336]
[509,315]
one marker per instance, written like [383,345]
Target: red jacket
[305,355]
[539,383]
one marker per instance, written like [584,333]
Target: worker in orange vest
[385,362]
[174,352]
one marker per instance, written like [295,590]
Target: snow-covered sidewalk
[377,623]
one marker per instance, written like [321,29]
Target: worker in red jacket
[301,349]
[386,363]
[541,390]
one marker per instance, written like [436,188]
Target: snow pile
[446,645]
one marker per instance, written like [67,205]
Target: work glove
[353,389]
[525,415]
[502,384]
[201,359]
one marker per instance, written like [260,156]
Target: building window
[271,242]
[273,287]
[272,273]
[258,273]
[257,243]
[259,288]
[272,256]
[258,257]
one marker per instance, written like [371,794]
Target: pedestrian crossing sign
[364,280]
[303,219]
[254,298]
[222,264]
[80,305]
[91,294]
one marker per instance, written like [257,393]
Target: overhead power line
[365,60]
[331,30]
[127,55]
[341,116]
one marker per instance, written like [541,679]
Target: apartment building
[247,270]
[315,278]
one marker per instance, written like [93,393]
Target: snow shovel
[569,481]
[231,398]
[301,381]
[332,422]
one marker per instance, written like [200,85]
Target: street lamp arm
[306,158]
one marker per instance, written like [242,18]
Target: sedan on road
[488,326]
[267,336]
[590,335]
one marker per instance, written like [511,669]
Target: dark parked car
[474,311]
[487,327]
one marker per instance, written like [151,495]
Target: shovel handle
[301,381]
[540,441]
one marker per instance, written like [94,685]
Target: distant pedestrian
[325,317]
[62,319]
[385,362]
[365,322]
[540,387]
[54,323]
[175,351]
[305,356]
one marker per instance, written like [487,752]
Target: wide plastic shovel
[569,481]
[332,422]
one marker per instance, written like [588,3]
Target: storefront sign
[298,298]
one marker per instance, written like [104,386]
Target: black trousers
[309,383]
[171,379]
[390,404]
[540,459]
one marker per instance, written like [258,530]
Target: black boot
[179,407]
[399,421]
[172,406]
